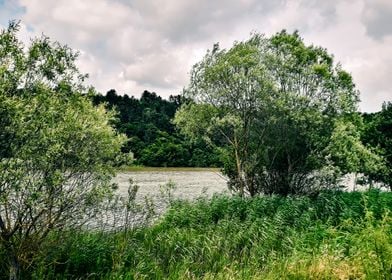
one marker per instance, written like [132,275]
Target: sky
[137,45]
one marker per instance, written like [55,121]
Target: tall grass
[336,235]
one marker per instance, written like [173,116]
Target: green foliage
[166,150]
[274,105]
[153,139]
[349,153]
[378,134]
[335,235]
[57,149]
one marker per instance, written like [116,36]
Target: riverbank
[337,235]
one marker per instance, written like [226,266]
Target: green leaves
[349,153]
[57,149]
[194,119]
[377,132]
[272,103]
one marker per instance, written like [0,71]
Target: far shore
[166,169]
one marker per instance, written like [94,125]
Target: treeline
[155,141]
[377,133]
[152,137]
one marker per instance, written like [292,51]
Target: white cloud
[140,44]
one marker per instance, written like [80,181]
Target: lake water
[188,184]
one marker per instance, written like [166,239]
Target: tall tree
[272,103]
[56,147]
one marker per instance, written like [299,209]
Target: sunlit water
[188,184]
[153,194]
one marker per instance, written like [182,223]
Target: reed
[336,235]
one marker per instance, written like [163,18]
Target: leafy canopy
[377,132]
[56,148]
[273,105]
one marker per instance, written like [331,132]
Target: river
[187,184]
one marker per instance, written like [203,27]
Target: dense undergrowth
[336,235]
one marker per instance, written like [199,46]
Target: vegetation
[277,107]
[153,139]
[378,134]
[56,147]
[336,235]
[280,115]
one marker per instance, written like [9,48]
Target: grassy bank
[333,236]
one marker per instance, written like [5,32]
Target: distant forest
[155,141]
[153,138]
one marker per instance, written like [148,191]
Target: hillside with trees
[152,137]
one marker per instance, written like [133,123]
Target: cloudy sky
[132,45]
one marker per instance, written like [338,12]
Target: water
[188,184]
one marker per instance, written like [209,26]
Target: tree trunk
[240,179]
[239,168]
[14,267]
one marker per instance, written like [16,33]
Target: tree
[57,149]
[378,134]
[165,151]
[152,136]
[272,104]
[225,87]
[349,153]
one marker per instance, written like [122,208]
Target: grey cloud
[326,10]
[188,21]
[375,84]
[377,18]
[152,44]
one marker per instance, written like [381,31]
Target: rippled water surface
[188,184]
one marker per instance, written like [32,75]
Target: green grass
[336,235]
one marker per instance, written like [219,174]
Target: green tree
[165,151]
[272,104]
[225,87]
[349,153]
[378,134]
[56,147]
[152,136]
